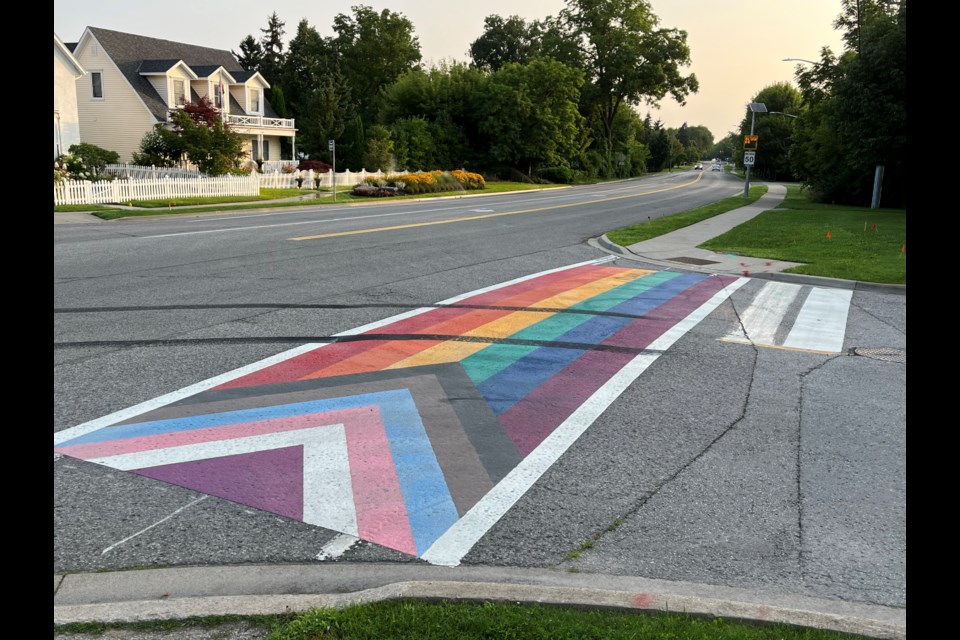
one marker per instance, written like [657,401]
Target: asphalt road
[723,463]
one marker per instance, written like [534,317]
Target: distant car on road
[715,167]
[698,166]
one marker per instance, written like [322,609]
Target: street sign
[330,145]
[749,157]
[750,142]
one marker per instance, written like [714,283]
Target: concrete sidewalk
[177,593]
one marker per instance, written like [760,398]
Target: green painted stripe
[491,360]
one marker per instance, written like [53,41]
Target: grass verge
[465,621]
[626,236]
[324,197]
[852,243]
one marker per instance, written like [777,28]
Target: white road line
[337,546]
[142,531]
[822,321]
[314,222]
[763,317]
[186,392]
[450,548]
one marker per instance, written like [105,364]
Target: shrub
[469,180]
[71,167]
[93,157]
[560,174]
[288,168]
[318,166]
[375,191]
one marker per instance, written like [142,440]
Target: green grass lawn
[63,208]
[463,621]
[626,236]
[852,243]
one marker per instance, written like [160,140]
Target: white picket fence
[193,185]
[345,179]
[121,190]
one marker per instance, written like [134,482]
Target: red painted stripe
[385,354]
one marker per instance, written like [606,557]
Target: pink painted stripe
[535,417]
[305,364]
[213,434]
[381,512]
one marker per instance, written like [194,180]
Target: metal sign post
[750,144]
[332,145]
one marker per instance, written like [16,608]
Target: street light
[781,113]
[799,60]
[755,108]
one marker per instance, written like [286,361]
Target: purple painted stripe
[268,480]
[535,417]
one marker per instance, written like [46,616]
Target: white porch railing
[259,121]
[122,190]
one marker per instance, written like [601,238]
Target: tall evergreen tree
[251,54]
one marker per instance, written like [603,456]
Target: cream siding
[238,91]
[160,84]
[117,122]
[201,87]
[66,121]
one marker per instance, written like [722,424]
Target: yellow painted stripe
[493,215]
[777,346]
[452,351]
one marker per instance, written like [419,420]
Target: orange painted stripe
[553,294]
[452,351]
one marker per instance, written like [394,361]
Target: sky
[737,47]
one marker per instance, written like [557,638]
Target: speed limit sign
[749,157]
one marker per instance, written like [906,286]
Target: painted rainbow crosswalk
[401,439]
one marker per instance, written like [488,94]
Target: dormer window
[218,95]
[254,100]
[179,93]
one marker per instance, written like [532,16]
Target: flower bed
[428,182]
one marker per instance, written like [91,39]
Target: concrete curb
[604,243]
[177,593]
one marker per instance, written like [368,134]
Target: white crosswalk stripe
[820,324]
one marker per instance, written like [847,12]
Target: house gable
[66,122]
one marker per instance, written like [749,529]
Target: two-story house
[133,82]
[66,121]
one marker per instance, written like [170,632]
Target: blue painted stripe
[430,507]
[189,423]
[517,380]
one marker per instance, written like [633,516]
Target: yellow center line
[492,215]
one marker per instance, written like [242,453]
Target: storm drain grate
[880,353]
[699,261]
